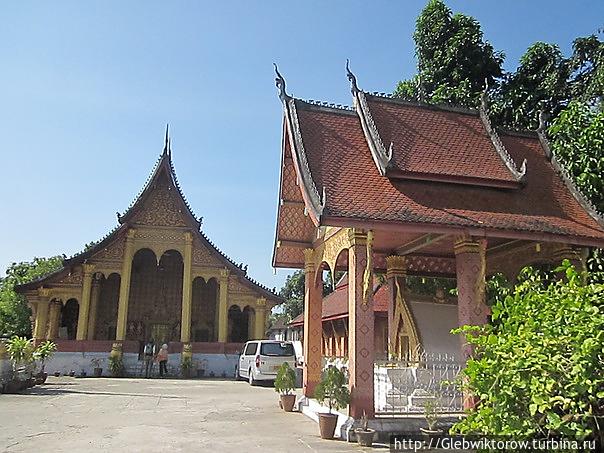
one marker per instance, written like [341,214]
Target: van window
[251,349]
[277,349]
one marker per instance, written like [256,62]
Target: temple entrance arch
[239,324]
[106,317]
[155,299]
[203,310]
[69,320]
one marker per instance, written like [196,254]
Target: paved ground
[71,414]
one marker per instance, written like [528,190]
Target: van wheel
[250,378]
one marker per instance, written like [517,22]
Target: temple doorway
[69,320]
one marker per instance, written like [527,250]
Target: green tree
[293,293]
[453,58]
[14,312]
[539,83]
[587,69]
[538,366]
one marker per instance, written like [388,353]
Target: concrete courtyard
[71,414]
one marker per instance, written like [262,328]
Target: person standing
[148,354]
[162,358]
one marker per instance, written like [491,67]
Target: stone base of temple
[209,359]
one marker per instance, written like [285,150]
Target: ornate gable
[203,256]
[162,207]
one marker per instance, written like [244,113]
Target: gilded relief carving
[162,208]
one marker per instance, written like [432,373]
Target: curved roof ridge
[519,173]
[405,100]
[568,180]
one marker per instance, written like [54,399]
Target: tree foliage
[14,312]
[293,291]
[538,367]
[539,83]
[453,58]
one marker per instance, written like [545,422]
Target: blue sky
[87,88]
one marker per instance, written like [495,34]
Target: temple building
[399,187]
[155,276]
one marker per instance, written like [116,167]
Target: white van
[260,359]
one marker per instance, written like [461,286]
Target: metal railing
[406,386]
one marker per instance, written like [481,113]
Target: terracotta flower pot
[327,425]
[287,402]
[365,436]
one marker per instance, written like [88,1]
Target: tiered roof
[403,165]
[163,172]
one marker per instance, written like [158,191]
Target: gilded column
[223,309]
[122,311]
[361,351]
[395,274]
[53,321]
[42,314]
[187,289]
[313,330]
[472,310]
[82,332]
[260,319]
[95,294]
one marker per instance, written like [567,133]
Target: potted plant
[333,392]
[20,350]
[185,367]
[284,384]
[364,434]
[116,366]
[97,369]
[431,416]
[42,353]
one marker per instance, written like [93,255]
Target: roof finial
[484,97]
[167,140]
[280,84]
[352,78]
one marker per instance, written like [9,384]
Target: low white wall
[64,362]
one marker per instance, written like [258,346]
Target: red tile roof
[341,162]
[430,141]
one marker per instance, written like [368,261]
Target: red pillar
[313,329]
[471,307]
[361,351]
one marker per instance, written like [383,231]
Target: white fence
[406,386]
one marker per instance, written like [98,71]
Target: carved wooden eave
[381,156]
[567,179]
[519,174]
[313,200]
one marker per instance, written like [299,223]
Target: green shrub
[538,367]
[44,352]
[286,379]
[21,351]
[333,389]
[116,366]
